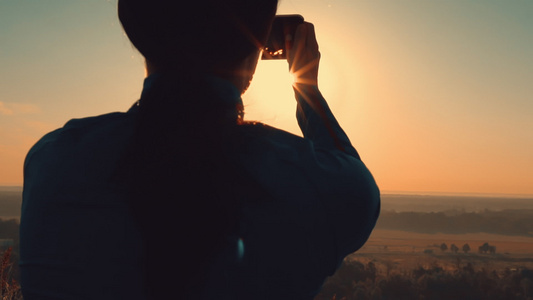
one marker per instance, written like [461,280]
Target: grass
[9,287]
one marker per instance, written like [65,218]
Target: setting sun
[270,98]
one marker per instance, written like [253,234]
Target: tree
[484,248]
[454,248]
[466,248]
[443,247]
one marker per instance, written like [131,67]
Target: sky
[435,95]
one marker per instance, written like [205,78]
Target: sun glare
[270,98]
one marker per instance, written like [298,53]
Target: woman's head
[196,35]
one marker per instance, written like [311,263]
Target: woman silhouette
[179,197]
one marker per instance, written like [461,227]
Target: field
[409,242]
[405,250]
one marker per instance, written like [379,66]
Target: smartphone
[283,25]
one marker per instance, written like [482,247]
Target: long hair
[182,178]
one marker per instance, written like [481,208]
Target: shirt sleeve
[318,123]
[348,190]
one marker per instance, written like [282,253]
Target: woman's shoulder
[82,142]
[79,129]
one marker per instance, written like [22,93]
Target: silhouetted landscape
[442,247]
[423,247]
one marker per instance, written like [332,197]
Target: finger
[298,45]
[310,40]
[296,40]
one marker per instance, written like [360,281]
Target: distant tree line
[10,203]
[483,249]
[9,229]
[507,222]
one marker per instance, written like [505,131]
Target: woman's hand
[304,56]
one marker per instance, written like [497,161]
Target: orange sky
[435,95]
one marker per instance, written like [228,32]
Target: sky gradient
[435,95]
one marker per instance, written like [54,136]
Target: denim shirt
[79,239]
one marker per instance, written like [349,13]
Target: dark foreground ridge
[375,280]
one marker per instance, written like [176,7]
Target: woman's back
[283,245]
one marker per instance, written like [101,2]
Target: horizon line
[411,193]
[458,194]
